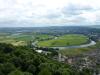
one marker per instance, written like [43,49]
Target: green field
[22,39]
[76,51]
[43,37]
[15,39]
[11,40]
[44,40]
[65,40]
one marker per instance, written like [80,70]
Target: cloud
[51,12]
[74,9]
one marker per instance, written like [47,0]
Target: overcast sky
[49,12]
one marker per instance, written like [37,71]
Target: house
[43,52]
[39,51]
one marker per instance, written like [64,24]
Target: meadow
[21,39]
[65,40]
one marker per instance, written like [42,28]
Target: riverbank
[78,46]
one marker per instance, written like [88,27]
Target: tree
[86,71]
[6,48]
[45,71]
[16,72]
[27,73]
[31,69]
[65,72]
[7,68]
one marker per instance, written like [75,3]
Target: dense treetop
[25,61]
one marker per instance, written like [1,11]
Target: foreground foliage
[25,61]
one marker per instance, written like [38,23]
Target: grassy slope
[66,40]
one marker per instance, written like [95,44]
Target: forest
[23,60]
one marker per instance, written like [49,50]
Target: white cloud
[50,11]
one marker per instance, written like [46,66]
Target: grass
[21,39]
[65,40]
[24,38]
[73,52]
[16,39]
[43,37]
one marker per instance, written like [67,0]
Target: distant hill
[95,26]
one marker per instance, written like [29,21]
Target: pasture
[65,40]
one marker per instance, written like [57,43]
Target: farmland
[21,39]
[64,40]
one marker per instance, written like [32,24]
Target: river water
[79,46]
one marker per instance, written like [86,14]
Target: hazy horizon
[95,26]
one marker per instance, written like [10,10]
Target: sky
[26,13]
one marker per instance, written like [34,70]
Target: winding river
[79,46]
